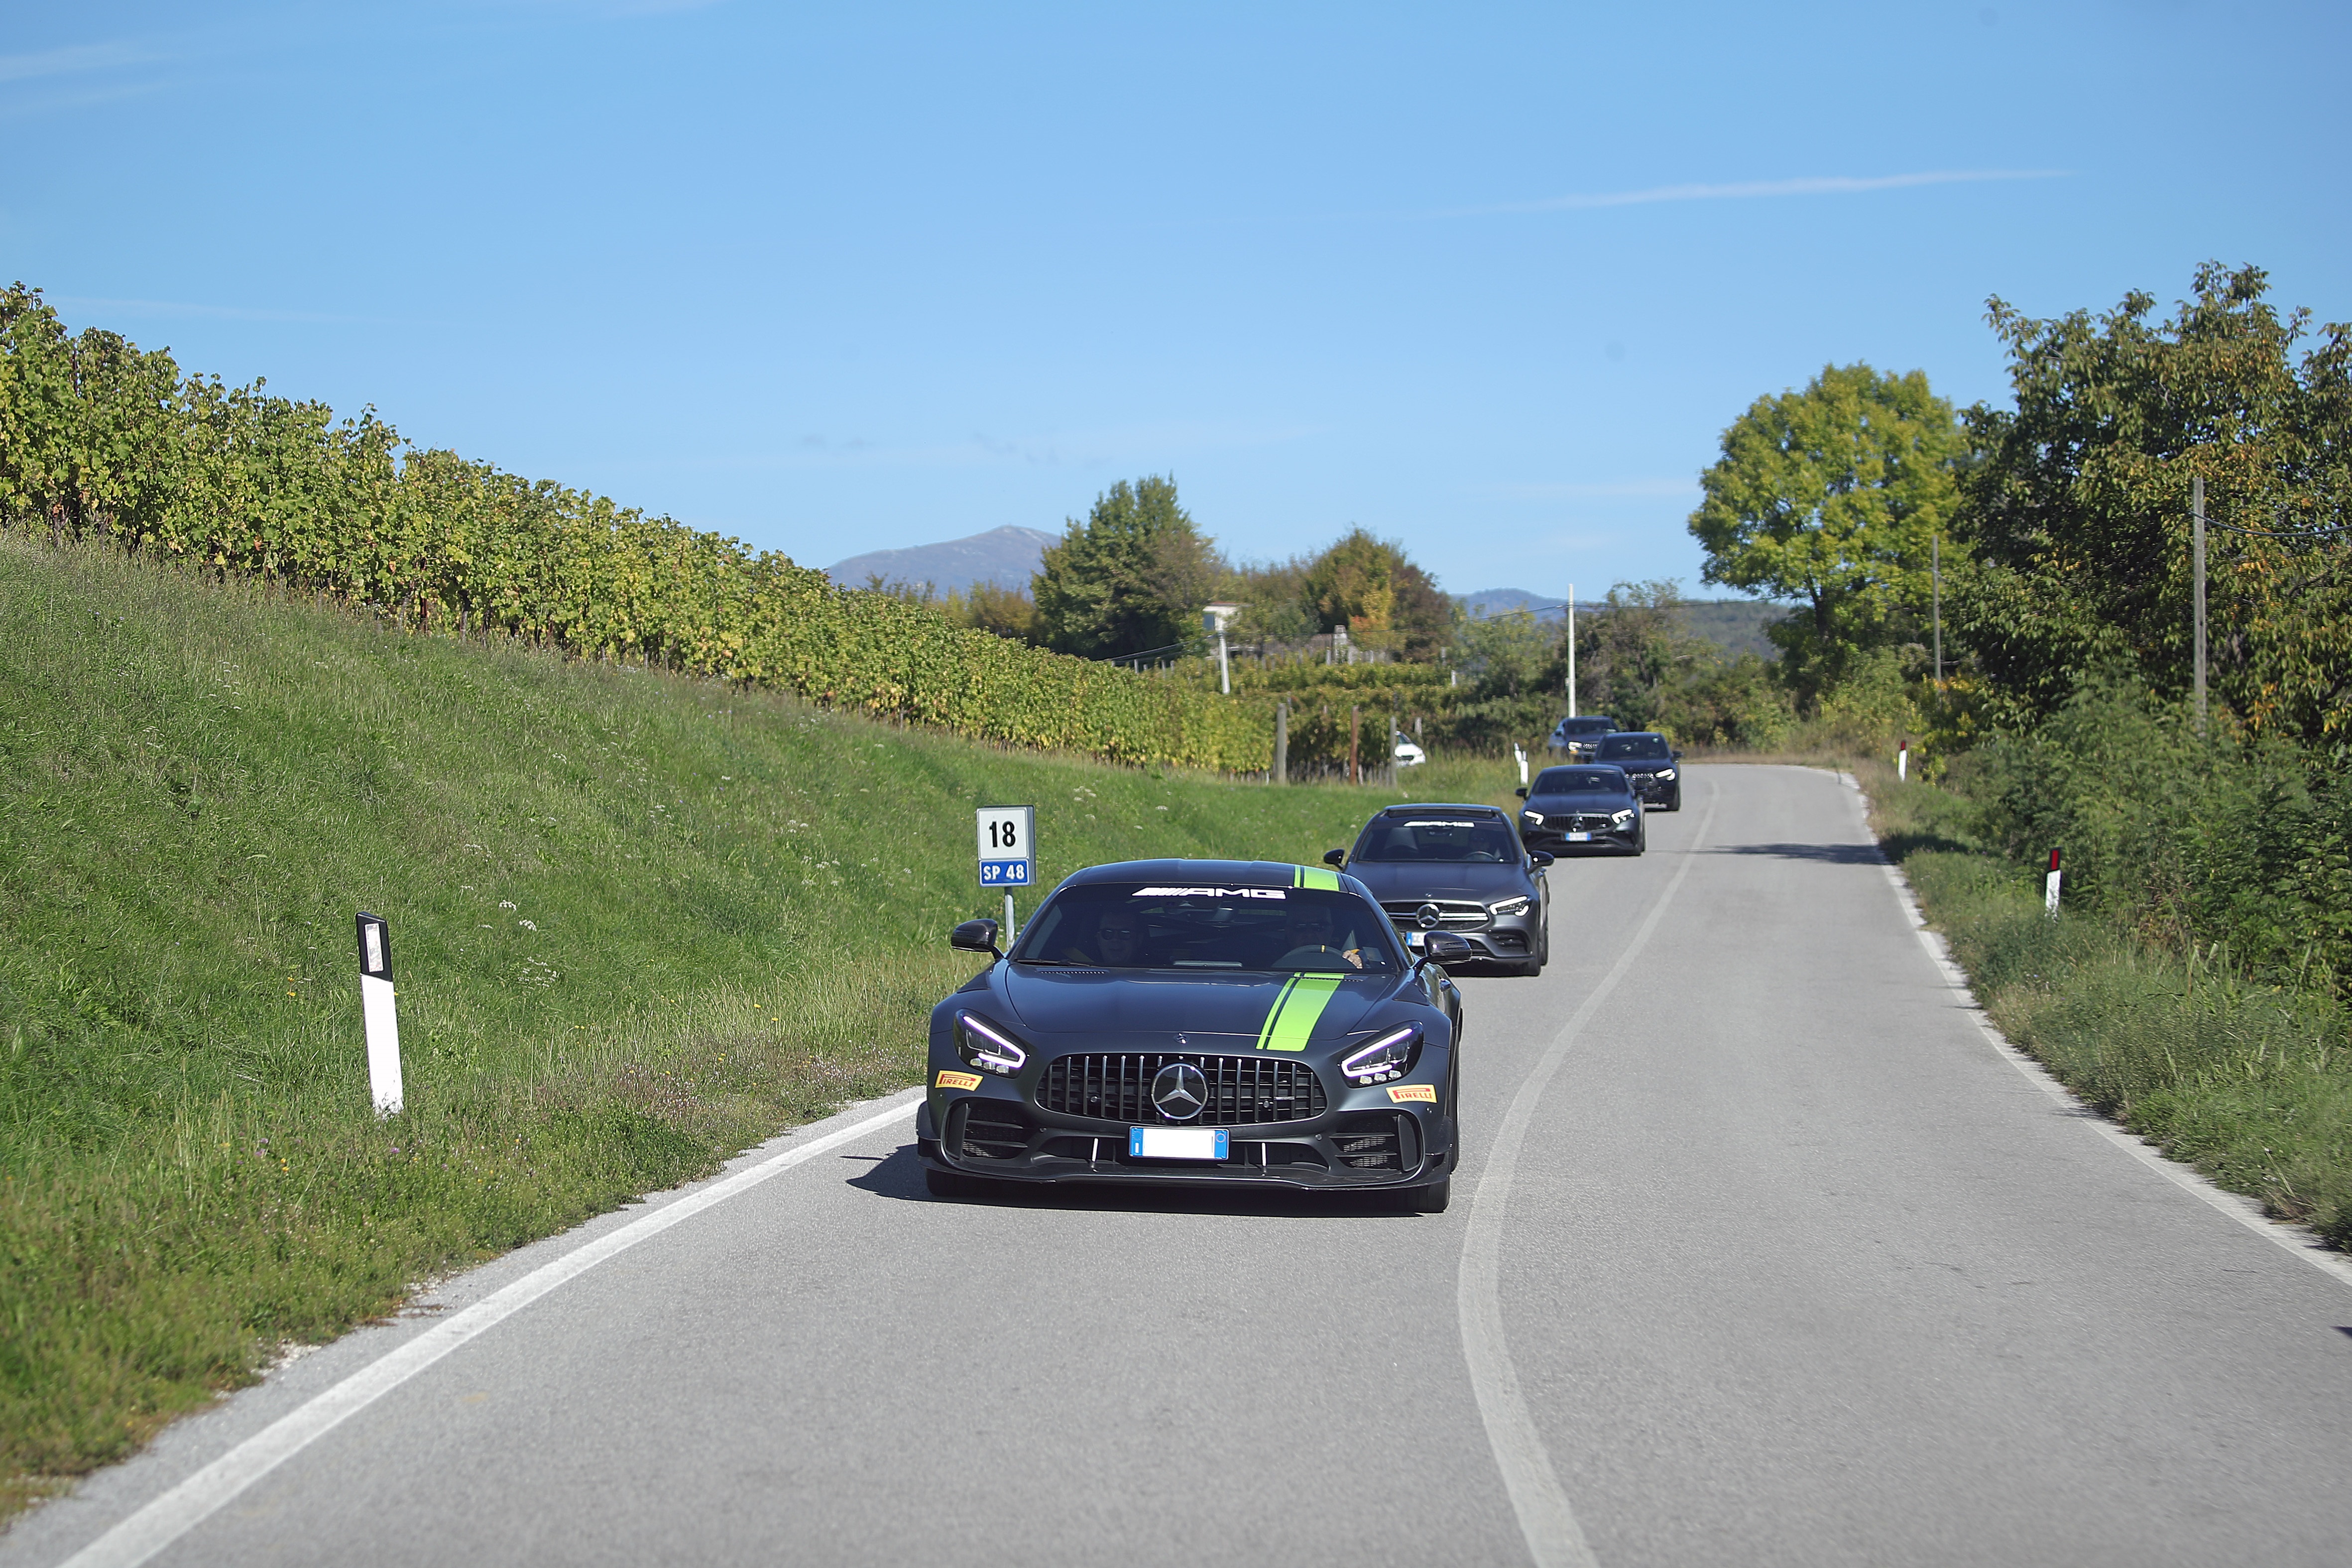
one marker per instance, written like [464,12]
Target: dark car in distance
[1649,763]
[1458,869]
[1577,736]
[1584,806]
[1198,1021]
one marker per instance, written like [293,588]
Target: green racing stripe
[1321,877]
[1294,1011]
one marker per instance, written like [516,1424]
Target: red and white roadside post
[1902,761]
[2049,888]
[376,1007]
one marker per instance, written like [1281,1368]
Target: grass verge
[2251,1083]
[639,924]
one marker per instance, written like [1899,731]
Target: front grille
[1377,1141]
[993,1131]
[1453,914]
[1243,1090]
[1579,822]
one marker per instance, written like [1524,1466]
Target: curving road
[1760,1253]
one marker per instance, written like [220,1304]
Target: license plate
[1413,939]
[1177,1142]
[1580,839]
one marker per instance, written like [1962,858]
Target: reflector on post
[376,1007]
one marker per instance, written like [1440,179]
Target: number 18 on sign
[1008,846]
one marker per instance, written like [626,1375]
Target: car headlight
[1620,818]
[1518,906]
[1388,1057]
[1665,772]
[1534,816]
[988,1048]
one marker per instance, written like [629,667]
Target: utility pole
[2196,558]
[1936,589]
[1571,650]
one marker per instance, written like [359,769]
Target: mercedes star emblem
[1180,1090]
[1427,917]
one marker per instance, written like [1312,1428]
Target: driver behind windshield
[1486,839]
[1112,925]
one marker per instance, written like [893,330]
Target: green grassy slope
[639,923]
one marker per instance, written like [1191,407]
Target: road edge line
[2187,1178]
[1547,1520]
[163,1520]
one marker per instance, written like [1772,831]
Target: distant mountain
[1007,557]
[1506,601]
[1735,626]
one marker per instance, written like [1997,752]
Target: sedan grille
[1579,822]
[1453,914]
[1243,1090]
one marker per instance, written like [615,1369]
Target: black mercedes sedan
[1199,1021]
[1458,868]
[1575,738]
[1649,763]
[1590,806]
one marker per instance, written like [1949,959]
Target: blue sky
[1489,281]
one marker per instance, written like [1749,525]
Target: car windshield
[1437,838]
[1169,925]
[1635,748]
[1584,727]
[1580,781]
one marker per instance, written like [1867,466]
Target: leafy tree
[1133,577]
[1372,588]
[2079,509]
[1829,496]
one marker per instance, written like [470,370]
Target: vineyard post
[1281,742]
[1355,733]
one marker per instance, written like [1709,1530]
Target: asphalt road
[1760,1253]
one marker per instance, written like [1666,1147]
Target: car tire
[948,1184]
[1678,802]
[1431,1199]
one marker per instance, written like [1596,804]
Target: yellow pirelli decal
[1426,1093]
[958,1079]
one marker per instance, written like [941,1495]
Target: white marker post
[1902,761]
[1521,752]
[2049,888]
[1214,618]
[376,1007]
[1008,853]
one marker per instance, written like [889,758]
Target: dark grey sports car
[1213,1021]
[1458,868]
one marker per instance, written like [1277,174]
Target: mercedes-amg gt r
[1201,1021]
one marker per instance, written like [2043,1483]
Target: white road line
[187,1505]
[2187,1178]
[1546,1522]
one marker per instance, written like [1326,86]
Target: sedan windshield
[1635,748]
[1134,925]
[1447,839]
[1580,781]
[1584,727]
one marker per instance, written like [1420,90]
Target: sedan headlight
[1665,772]
[1620,818]
[1534,816]
[1387,1057]
[1518,906]
[988,1048]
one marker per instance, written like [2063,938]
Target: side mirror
[975,936]
[1442,947]
[1542,858]
[1521,792]
[1678,756]
[1335,859]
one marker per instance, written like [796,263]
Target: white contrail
[1809,186]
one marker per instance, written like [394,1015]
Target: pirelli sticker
[1291,1020]
[1400,1093]
[958,1079]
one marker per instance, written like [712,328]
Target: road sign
[1008,846]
